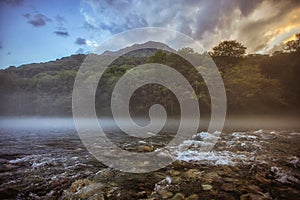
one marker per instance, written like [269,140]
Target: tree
[230,48]
[159,57]
[249,90]
[293,45]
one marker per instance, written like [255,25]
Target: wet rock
[251,196]
[176,180]
[253,188]
[261,178]
[193,197]
[141,194]
[228,179]
[178,196]
[7,167]
[206,187]
[85,189]
[283,176]
[174,172]
[192,174]
[111,191]
[164,189]
[228,187]
[210,177]
[79,184]
[165,194]
[145,148]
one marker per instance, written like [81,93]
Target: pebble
[206,187]
[193,197]
[165,194]
[178,196]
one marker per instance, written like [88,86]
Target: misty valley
[255,156]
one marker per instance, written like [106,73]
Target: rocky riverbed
[261,164]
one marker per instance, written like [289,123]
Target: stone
[141,194]
[228,187]
[85,189]
[193,197]
[251,196]
[210,177]
[165,194]
[145,148]
[176,180]
[174,173]
[253,188]
[178,196]
[206,187]
[78,184]
[192,174]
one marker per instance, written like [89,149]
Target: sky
[33,31]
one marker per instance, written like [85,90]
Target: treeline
[255,84]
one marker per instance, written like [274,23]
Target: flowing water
[42,158]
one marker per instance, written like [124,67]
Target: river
[44,158]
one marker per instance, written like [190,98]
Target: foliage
[254,84]
[293,45]
[230,48]
[247,89]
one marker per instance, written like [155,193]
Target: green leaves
[248,89]
[230,48]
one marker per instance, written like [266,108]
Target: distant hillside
[146,49]
[260,84]
[72,62]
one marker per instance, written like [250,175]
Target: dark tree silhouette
[230,48]
[293,45]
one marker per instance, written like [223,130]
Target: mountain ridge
[154,46]
[146,49]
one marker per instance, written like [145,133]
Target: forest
[254,83]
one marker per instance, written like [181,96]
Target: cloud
[13,3]
[269,25]
[98,17]
[80,41]
[61,33]
[92,43]
[255,23]
[37,20]
[60,20]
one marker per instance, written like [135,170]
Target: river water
[42,158]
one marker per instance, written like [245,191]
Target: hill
[259,84]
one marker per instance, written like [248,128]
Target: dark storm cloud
[249,31]
[215,15]
[61,33]
[80,41]
[193,17]
[207,21]
[37,20]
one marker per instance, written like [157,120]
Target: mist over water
[47,151]
[108,124]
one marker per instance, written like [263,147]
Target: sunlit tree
[293,45]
